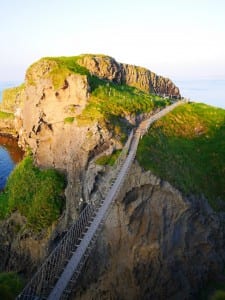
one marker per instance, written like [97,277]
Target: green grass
[111,104]
[35,193]
[213,290]
[11,98]
[10,285]
[5,115]
[59,69]
[108,159]
[69,120]
[187,148]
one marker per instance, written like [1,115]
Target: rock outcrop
[156,244]
[108,68]
[42,126]
[20,249]
[46,120]
[7,127]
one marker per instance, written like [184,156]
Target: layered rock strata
[108,68]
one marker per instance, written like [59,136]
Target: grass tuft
[5,115]
[108,159]
[69,120]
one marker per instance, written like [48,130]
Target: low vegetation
[35,193]
[213,290]
[108,99]
[11,98]
[5,115]
[108,159]
[114,105]
[58,69]
[10,285]
[69,120]
[187,148]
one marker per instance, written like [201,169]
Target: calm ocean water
[10,153]
[211,92]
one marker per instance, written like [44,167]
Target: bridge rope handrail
[71,253]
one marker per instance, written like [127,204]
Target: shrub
[10,285]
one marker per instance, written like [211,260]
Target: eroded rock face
[155,244]
[7,127]
[20,249]
[108,68]
[55,142]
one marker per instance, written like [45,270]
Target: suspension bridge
[58,275]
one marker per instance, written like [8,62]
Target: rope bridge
[57,276]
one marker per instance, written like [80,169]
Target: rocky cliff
[156,244]
[108,68]
[55,94]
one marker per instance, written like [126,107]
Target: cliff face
[7,127]
[108,68]
[55,142]
[46,120]
[20,249]
[155,244]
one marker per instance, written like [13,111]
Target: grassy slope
[187,148]
[35,193]
[9,98]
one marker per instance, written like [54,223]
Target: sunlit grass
[187,148]
[35,193]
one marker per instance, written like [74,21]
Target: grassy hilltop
[187,148]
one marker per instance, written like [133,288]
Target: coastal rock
[20,249]
[7,127]
[102,66]
[155,244]
[108,68]
[46,123]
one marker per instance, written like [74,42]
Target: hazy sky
[179,39]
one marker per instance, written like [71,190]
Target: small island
[165,233]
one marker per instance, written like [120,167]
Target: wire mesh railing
[47,275]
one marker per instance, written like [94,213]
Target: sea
[208,91]
[211,92]
[10,153]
